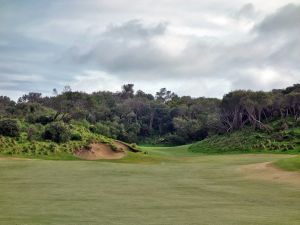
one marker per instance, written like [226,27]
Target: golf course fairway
[176,188]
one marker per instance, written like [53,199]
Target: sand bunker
[266,171]
[98,151]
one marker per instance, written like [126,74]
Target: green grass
[249,141]
[182,150]
[165,186]
[291,164]
[46,149]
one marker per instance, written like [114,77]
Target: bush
[113,147]
[76,137]
[35,132]
[173,139]
[133,145]
[43,119]
[92,129]
[57,131]
[100,129]
[9,127]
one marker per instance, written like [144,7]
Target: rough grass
[250,141]
[165,186]
[291,164]
[46,149]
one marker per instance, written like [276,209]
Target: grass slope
[45,149]
[174,188]
[249,141]
[21,146]
[291,164]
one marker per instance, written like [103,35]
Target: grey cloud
[134,29]
[286,19]
[125,48]
[287,56]
[247,11]
[129,51]
[280,32]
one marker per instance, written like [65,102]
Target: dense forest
[166,118]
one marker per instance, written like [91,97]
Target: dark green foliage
[43,119]
[126,115]
[173,139]
[31,97]
[9,127]
[100,128]
[76,137]
[57,132]
[248,140]
[35,132]
[74,118]
[7,106]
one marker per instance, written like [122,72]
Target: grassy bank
[249,141]
[291,164]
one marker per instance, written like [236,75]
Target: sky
[191,47]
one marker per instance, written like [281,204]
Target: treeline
[241,108]
[164,118]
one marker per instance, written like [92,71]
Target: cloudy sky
[192,47]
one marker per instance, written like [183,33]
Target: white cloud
[92,81]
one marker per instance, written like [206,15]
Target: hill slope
[282,137]
[82,144]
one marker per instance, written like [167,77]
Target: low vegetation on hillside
[55,138]
[283,136]
[50,140]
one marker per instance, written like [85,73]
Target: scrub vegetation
[58,126]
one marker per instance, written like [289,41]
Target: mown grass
[165,186]
[182,150]
[291,164]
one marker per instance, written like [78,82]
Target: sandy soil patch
[121,146]
[98,151]
[266,171]
[124,146]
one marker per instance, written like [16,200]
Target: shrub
[39,118]
[76,137]
[57,131]
[52,148]
[9,127]
[174,139]
[113,147]
[67,118]
[35,132]
[297,123]
[133,145]
[100,129]
[43,119]
[92,129]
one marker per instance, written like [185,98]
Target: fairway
[203,189]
